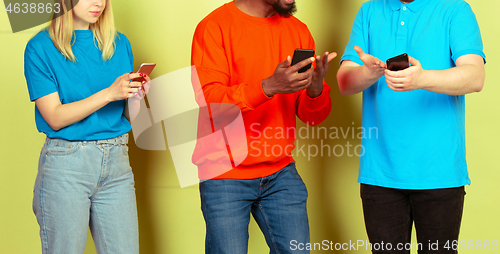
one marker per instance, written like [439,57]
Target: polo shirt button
[404,8]
[402,23]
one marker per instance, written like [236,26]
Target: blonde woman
[79,73]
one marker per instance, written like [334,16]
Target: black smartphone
[398,63]
[300,55]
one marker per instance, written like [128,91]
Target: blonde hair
[61,31]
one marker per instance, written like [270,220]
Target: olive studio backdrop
[170,219]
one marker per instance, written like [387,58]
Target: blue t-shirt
[47,71]
[416,139]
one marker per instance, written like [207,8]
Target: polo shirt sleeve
[465,36]
[39,77]
[358,37]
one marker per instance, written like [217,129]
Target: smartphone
[302,54]
[398,63]
[146,68]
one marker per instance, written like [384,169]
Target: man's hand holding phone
[408,79]
[287,79]
[296,74]
[402,77]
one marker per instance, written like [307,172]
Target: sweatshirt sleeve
[313,111]
[212,66]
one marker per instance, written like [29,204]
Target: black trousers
[390,213]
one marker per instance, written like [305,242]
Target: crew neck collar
[83,32]
[273,20]
[83,35]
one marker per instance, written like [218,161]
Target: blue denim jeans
[86,183]
[277,203]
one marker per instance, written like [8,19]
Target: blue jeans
[86,183]
[277,203]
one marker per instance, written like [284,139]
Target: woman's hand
[140,93]
[133,105]
[124,87]
[59,115]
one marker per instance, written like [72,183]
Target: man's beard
[284,12]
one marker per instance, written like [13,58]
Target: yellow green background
[170,218]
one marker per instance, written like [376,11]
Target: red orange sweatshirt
[233,52]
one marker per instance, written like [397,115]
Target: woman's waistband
[120,140]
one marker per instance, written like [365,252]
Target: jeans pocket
[124,149]
[62,148]
[292,169]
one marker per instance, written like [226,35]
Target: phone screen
[398,63]
[300,55]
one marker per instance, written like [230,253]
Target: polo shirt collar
[414,6]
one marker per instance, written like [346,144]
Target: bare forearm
[455,81]
[315,90]
[66,114]
[132,107]
[59,115]
[355,79]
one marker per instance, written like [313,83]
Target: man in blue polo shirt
[415,170]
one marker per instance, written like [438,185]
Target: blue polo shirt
[47,71]
[416,139]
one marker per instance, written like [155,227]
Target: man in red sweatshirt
[242,53]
